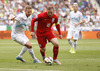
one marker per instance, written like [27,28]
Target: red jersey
[44,23]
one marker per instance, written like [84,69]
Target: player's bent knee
[29,46]
[75,40]
[56,44]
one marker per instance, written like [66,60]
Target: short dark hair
[49,7]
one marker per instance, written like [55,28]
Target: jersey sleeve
[81,17]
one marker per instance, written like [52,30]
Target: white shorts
[20,38]
[74,34]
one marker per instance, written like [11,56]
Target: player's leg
[24,49]
[23,40]
[69,36]
[42,43]
[19,39]
[70,42]
[75,38]
[54,41]
[42,51]
[29,47]
[75,44]
[19,57]
[31,52]
[51,37]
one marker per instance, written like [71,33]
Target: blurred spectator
[98,2]
[61,7]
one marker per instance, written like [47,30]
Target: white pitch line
[11,69]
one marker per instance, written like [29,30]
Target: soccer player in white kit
[22,21]
[75,19]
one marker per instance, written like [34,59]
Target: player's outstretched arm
[59,31]
[58,27]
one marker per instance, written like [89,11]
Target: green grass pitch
[87,57]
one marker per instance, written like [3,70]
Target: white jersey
[74,19]
[21,23]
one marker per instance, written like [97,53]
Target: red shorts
[42,40]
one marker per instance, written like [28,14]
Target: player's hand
[60,36]
[33,35]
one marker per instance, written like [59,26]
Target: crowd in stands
[10,8]
[98,2]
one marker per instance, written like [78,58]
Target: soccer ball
[48,60]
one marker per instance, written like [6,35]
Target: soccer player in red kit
[45,21]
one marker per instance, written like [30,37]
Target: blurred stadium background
[90,9]
[87,57]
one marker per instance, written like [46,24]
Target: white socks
[73,46]
[70,42]
[24,49]
[32,53]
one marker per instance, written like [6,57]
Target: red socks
[55,52]
[42,53]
